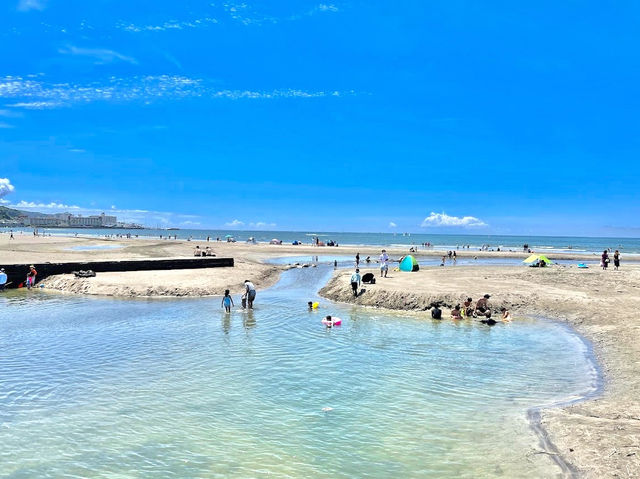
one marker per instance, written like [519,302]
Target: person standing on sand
[384,263]
[604,262]
[616,260]
[357,259]
[250,292]
[355,282]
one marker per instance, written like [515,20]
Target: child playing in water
[456,313]
[227,301]
[506,315]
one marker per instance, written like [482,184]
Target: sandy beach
[595,438]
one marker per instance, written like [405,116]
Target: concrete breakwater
[17,273]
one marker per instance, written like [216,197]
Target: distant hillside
[11,214]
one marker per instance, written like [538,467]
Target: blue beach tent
[409,263]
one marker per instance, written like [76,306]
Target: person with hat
[31,276]
[3,279]
[482,307]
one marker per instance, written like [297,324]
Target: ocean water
[108,388]
[541,244]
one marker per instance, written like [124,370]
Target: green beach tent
[409,263]
[534,258]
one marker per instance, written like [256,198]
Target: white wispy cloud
[262,224]
[4,125]
[49,206]
[392,224]
[443,219]
[240,12]
[234,223]
[34,93]
[327,7]
[190,223]
[99,55]
[27,5]
[36,105]
[168,25]
[10,113]
[6,187]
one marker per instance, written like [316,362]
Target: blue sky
[451,116]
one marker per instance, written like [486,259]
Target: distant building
[68,220]
[43,221]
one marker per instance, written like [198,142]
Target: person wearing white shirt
[250,292]
[384,263]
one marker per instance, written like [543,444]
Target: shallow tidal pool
[106,388]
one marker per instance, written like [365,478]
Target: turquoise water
[104,388]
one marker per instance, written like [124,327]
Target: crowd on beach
[481,309]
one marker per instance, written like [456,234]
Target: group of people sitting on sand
[468,310]
[203,251]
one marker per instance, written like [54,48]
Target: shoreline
[559,252]
[534,414]
[597,435]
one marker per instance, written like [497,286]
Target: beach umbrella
[536,258]
[228,236]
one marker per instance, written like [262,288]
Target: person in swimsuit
[468,307]
[456,313]
[482,307]
[227,301]
[604,262]
[616,259]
